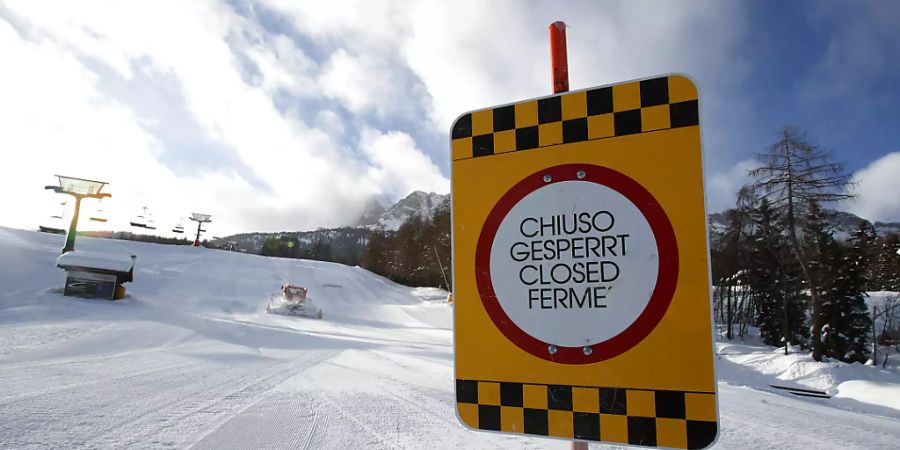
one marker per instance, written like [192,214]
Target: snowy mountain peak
[842,224]
[371,213]
[417,203]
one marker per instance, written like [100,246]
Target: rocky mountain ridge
[350,239]
[389,219]
[376,217]
[842,224]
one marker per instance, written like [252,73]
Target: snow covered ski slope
[191,359]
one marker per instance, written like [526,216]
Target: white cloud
[280,64]
[471,54]
[357,24]
[474,60]
[272,110]
[722,187]
[56,122]
[398,166]
[329,122]
[362,84]
[876,190]
[501,54]
[63,119]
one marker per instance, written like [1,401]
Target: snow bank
[430,294]
[871,392]
[855,387]
[213,370]
[96,260]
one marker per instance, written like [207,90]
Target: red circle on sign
[662,293]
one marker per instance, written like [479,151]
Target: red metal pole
[558,57]
[559,63]
[197,241]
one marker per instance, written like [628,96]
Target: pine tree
[730,260]
[763,264]
[773,278]
[376,257]
[843,312]
[817,243]
[320,249]
[409,251]
[415,253]
[846,312]
[886,267]
[435,241]
[893,244]
[270,247]
[441,243]
[280,246]
[864,244]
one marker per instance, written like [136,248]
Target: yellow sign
[581,267]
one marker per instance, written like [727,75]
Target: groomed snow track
[190,359]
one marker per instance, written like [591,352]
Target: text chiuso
[568,259]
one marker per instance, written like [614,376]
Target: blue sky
[807,70]
[282,115]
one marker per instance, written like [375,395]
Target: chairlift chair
[140,220]
[51,230]
[62,211]
[151,224]
[56,218]
[99,216]
[180,227]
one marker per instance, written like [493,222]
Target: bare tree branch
[796,174]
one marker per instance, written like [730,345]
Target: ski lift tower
[78,188]
[200,219]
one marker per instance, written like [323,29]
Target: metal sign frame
[197,217]
[653,383]
[80,186]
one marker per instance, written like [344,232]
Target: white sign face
[574,263]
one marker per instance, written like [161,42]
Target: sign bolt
[580,174]
[547,178]
[552,348]
[587,350]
